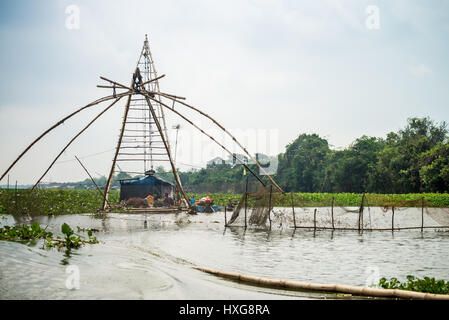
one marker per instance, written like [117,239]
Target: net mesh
[266,208]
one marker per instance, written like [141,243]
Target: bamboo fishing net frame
[149,96]
[261,207]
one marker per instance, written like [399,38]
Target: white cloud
[419,70]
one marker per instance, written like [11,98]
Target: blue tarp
[142,187]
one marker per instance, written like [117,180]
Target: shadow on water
[66,260]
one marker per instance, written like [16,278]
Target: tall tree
[398,167]
[302,166]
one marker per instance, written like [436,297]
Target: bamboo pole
[293,209]
[15,197]
[167,147]
[201,130]
[58,124]
[361,210]
[332,213]
[255,176]
[269,205]
[338,288]
[117,84]
[392,218]
[372,229]
[227,132]
[314,220]
[246,201]
[147,53]
[226,219]
[152,80]
[73,139]
[117,150]
[92,179]
[110,87]
[422,214]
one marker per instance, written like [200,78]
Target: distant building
[216,161]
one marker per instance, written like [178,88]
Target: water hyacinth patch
[25,233]
[427,285]
[440,200]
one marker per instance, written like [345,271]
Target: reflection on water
[149,257]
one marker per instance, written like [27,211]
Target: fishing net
[266,208]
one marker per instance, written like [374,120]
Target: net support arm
[176,99]
[201,130]
[73,139]
[58,124]
[167,147]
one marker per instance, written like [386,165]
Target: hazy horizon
[267,70]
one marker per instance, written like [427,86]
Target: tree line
[414,159]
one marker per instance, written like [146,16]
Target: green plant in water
[24,232]
[71,240]
[427,285]
[28,233]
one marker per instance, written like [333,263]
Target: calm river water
[150,257]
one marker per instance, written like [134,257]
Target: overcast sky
[271,69]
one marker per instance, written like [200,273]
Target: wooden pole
[392,218]
[269,205]
[246,204]
[301,286]
[422,214]
[246,201]
[92,179]
[332,213]
[152,80]
[226,219]
[73,139]
[202,131]
[253,173]
[111,87]
[375,229]
[15,197]
[228,133]
[293,209]
[361,210]
[117,84]
[314,220]
[117,150]
[167,148]
[58,124]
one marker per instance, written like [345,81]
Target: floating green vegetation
[340,199]
[25,233]
[427,285]
[71,239]
[59,202]
[52,202]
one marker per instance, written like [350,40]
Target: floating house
[148,185]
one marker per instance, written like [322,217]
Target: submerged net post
[422,214]
[269,205]
[226,222]
[246,200]
[332,213]
[293,209]
[361,211]
[392,218]
[314,220]
[15,196]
